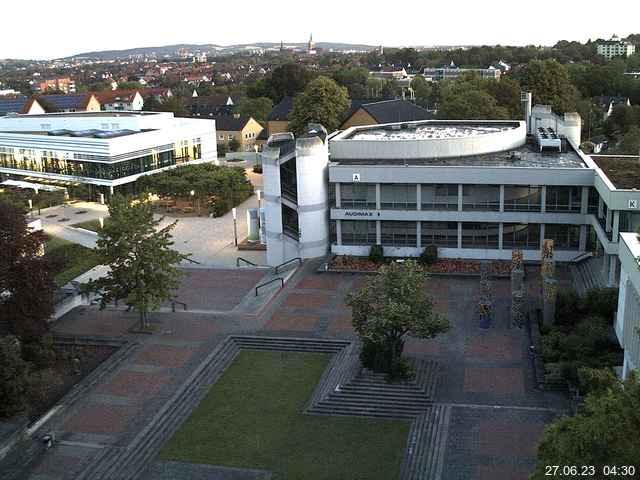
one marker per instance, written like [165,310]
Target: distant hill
[172,50]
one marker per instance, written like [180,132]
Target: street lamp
[193,201]
[30,206]
[259,193]
[234,212]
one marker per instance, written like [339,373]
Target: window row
[446,234]
[474,197]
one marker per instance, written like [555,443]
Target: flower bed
[346,263]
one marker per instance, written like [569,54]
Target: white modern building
[454,73]
[615,47]
[104,149]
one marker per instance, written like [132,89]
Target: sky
[40,30]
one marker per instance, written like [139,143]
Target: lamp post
[234,212]
[30,207]
[193,201]
[259,193]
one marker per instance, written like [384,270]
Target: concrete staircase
[424,458]
[368,394]
[587,276]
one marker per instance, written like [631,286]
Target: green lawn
[93,225]
[252,418]
[69,259]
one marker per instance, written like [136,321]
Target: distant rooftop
[623,171]
[425,131]
[526,156]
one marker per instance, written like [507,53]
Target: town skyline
[437,25]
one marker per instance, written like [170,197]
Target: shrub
[14,377]
[376,253]
[568,308]
[601,302]
[377,356]
[429,255]
[40,352]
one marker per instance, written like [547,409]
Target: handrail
[285,263]
[270,282]
[245,261]
[173,305]
[192,261]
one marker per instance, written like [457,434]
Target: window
[358,232]
[400,196]
[440,234]
[521,236]
[358,195]
[290,222]
[480,235]
[522,198]
[439,197]
[594,200]
[563,199]
[565,237]
[481,197]
[399,234]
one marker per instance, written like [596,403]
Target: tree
[142,265]
[470,104]
[26,282]
[550,83]
[354,79]
[392,305]
[323,101]
[630,143]
[258,108]
[427,93]
[14,377]
[234,145]
[286,80]
[603,432]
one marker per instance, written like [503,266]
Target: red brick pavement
[193,330]
[102,419]
[500,381]
[54,464]
[307,300]
[422,346]
[509,439]
[495,347]
[134,384]
[164,356]
[320,282]
[292,321]
[91,321]
[340,324]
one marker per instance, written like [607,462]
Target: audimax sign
[360,213]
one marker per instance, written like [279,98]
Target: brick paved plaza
[497,416]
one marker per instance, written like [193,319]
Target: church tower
[311,46]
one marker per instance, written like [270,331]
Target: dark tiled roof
[604,101]
[264,135]
[391,111]
[280,113]
[230,123]
[113,96]
[208,100]
[13,104]
[624,172]
[54,103]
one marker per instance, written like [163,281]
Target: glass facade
[565,237]
[480,235]
[481,197]
[522,198]
[60,163]
[358,232]
[399,234]
[521,236]
[398,196]
[440,234]
[439,197]
[563,199]
[358,195]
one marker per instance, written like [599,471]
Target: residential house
[278,119]
[244,129]
[77,102]
[608,103]
[118,100]
[388,111]
[615,47]
[20,104]
[209,105]
[66,85]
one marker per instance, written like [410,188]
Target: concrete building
[65,85]
[615,47]
[105,149]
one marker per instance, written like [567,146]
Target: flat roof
[622,170]
[89,114]
[91,133]
[429,130]
[526,156]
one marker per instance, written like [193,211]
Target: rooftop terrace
[430,130]
[623,171]
[526,156]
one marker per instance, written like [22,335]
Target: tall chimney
[526,100]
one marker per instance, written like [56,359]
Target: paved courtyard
[497,414]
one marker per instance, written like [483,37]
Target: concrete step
[362,412]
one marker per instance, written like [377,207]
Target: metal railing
[275,270]
[269,283]
[173,305]
[248,262]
